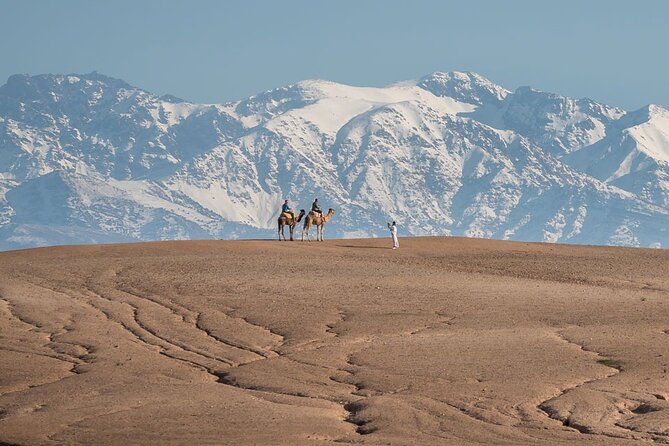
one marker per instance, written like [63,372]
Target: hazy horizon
[204,51]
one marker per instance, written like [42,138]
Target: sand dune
[446,341]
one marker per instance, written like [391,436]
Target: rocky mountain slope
[88,158]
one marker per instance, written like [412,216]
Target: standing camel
[314,218]
[286,219]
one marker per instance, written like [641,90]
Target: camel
[313,218]
[286,220]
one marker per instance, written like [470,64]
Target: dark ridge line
[69,361]
[151,332]
[223,378]
[172,307]
[51,336]
[262,327]
[354,417]
[184,310]
[568,422]
[17,316]
[468,414]
[161,349]
[237,345]
[75,361]
[181,345]
[177,344]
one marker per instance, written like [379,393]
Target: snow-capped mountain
[88,158]
[633,156]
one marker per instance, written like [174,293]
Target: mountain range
[91,159]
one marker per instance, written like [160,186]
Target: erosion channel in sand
[446,341]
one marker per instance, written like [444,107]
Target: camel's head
[331,212]
[299,217]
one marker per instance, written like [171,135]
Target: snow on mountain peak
[329,105]
[24,86]
[463,86]
[649,127]
[652,114]
[558,123]
[654,109]
[634,154]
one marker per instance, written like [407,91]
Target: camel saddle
[288,216]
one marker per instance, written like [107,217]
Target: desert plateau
[446,341]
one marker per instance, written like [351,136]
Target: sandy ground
[446,341]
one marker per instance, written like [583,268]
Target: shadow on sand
[363,247]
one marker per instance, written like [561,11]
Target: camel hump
[287,216]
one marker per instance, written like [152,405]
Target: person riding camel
[285,209]
[316,208]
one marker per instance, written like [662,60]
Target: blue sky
[215,51]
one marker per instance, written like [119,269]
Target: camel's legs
[280,231]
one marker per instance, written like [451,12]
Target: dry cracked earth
[446,341]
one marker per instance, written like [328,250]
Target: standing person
[393,234]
